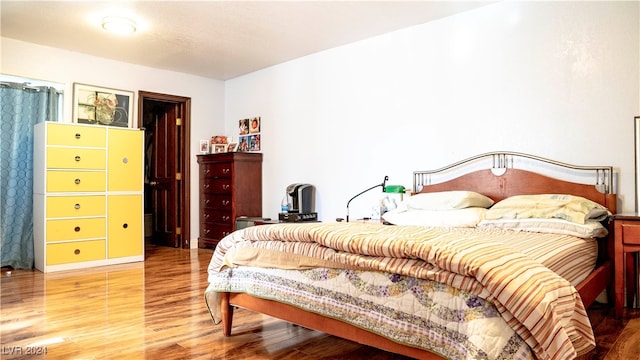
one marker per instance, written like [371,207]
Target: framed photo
[204,146]
[219,148]
[232,147]
[102,106]
[254,125]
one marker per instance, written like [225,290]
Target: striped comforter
[540,305]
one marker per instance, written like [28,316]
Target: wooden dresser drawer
[75,206]
[217,186]
[76,158]
[215,231]
[88,136]
[631,232]
[75,181]
[216,170]
[70,252]
[216,201]
[221,216]
[75,229]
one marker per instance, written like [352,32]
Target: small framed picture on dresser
[232,147]
[219,148]
[204,146]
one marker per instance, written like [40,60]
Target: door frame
[185,158]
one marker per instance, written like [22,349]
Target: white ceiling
[215,39]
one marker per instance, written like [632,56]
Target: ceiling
[214,39]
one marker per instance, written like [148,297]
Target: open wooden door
[165,119]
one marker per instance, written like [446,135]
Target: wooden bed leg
[226,310]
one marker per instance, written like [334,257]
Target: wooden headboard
[503,176]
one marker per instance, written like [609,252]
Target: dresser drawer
[210,215]
[76,158]
[75,181]
[216,201]
[65,253]
[63,134]
[216,170]
[217,186]
[75,206]
[215,231]
[75,229]
[631,232]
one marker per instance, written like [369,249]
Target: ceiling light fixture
[118,25]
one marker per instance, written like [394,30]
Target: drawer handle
[77,158]
[76,251]
[206,216]
[207,171]
[207,231]
[225,171]
[125,225]
[76,229]
[225,187]
[76,206]
[77,181]
[206,186]
[77,135]
[225,218]
[207,202]
[225,202]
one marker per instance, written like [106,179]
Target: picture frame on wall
[204,146]
[102,106]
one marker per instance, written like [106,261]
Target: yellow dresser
[88,196]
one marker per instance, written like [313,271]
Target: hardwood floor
[155,309]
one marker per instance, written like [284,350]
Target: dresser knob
[77,135]
[125,225]
[77,158]
[77,181]
[76,229]
[125,160]
[76,206]
[76,251]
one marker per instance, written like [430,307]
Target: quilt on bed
[543,308]
[415,312]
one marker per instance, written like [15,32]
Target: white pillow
[447,200]
[467,217]
[548,206]
[590,229]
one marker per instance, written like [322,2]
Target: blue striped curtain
[21,107]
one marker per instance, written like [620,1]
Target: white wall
[56,65]
[555,79]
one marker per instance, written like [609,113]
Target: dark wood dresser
[230,186]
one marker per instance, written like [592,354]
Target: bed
[488,259]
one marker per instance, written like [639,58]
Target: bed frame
[497,175]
